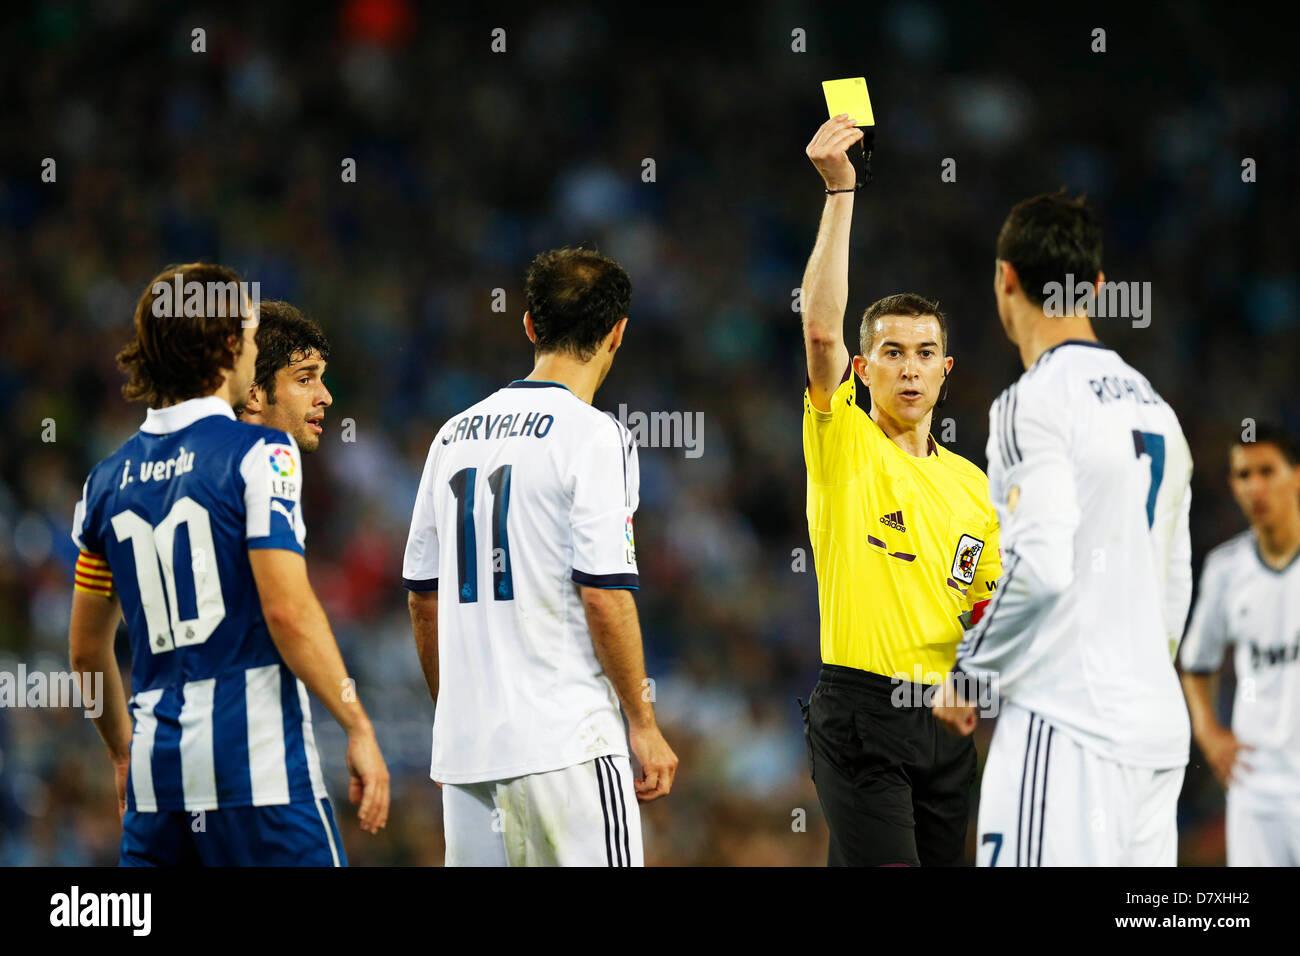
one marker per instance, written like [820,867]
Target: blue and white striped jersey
[220,720]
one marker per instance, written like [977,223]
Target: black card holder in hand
[862,162]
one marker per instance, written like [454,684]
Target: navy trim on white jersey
[995,422]
[629,581]
[1015,441]
[536,383]
[1268,567]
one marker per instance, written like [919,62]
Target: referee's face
[905,366]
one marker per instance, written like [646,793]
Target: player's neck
[222,393]
[912,438]
[581,378]
[1279,542]
[1045,332]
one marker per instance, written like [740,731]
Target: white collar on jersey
[161,421]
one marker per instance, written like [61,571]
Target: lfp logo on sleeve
[284,472]
[282,462]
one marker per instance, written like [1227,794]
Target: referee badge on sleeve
[967,558]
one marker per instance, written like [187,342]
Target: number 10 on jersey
[463,485]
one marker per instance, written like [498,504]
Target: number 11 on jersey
[463,485]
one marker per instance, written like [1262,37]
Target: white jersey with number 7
[1089,472]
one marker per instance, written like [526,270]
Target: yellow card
[849,96]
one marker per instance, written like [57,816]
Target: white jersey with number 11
[524,496]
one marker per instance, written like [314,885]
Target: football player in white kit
[1088,470]
[1250,598]
[521,566]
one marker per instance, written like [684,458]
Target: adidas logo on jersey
[893,520]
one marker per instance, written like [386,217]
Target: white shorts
[584,815]
[1262,830]
[1047,801]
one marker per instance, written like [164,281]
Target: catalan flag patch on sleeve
[93,575]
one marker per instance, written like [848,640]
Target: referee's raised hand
[829,151]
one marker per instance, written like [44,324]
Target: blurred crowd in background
[468,163]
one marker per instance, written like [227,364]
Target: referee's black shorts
[894,786]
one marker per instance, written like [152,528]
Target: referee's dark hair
[1047,237]
[1268,433]
[906,304]
[575,296]
[284,336]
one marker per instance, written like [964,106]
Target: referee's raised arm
[903,540]
[826,278]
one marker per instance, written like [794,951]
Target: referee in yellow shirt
[905,542]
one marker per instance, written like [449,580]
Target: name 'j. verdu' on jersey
[167,521]
[182,462]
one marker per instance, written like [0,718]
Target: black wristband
[831,192]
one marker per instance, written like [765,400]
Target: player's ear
[253,404]
[528,328]
[860,366]
[1008,279]
[616,334]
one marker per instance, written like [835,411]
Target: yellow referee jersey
[902,545]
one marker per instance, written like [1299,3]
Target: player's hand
[120,771]
[1223,752]
[951,710]
[829,151]
[369,780]
[657,760]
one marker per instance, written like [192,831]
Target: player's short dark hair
[177,356]
[1270,433]
[575,296]
[905,303]
[1046,237]
[284,336]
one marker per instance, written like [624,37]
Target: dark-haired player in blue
[192,531]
